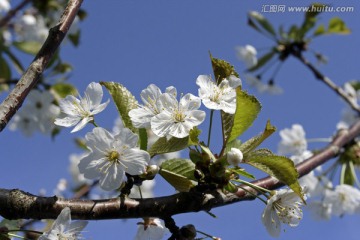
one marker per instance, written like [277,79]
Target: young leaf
[338,26]
[124,102]
[262,61]
[179,173]
[247,109]
[28,47]
[242,172]
[63,89]
[320,30]
[263,22]
[254,142]
[279,167]
[162,145]
[222,69]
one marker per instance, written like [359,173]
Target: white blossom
[247,54]
[4,6]
[111,156]
[31,28]
[234,156]
[141,117]
[177,118]
[218,97]
[146,190]
[292,140]
[37,114]
[283,206]
[81,111]
[345,199]
[63,228]
[77,177]
[151,229]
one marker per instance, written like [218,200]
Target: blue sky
[167,43]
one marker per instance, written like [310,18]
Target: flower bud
[234,156]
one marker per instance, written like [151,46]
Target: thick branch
[16,204]
[31,76]
[318,75]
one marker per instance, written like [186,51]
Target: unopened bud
[234,156]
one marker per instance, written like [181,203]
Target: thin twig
[318,75]
[31,76]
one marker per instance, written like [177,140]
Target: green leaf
[338,26]
[194,136]
[347,173]
[162,145]
[279,167]
[143,138]
[5,72]
[262,61]
[75,38]
[208,152]
[63,89]
[242,172]
[222,69]
[28,47]
[247,110]
[320,30]
[179,173]
[263,22]
[231,187]
[124,102]
[254,142]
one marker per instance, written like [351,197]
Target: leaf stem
[210,126]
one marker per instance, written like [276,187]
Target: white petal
[161,123]
[141,117]
[99,138]
[150,95]
[190,102]
[70,105]
[112,179]
[100,108]
[82,124]
[87,169]
[126,137]
[77,226]
[94,94]
[67,121]
[135,161]
[180,130]
[271,221]
[195,117]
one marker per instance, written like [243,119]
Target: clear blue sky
[167,43]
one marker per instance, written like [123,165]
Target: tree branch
[31,76]
[318,75]
[16,204]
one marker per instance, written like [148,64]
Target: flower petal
[112,178]
[135,161]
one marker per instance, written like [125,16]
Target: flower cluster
[165,115]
